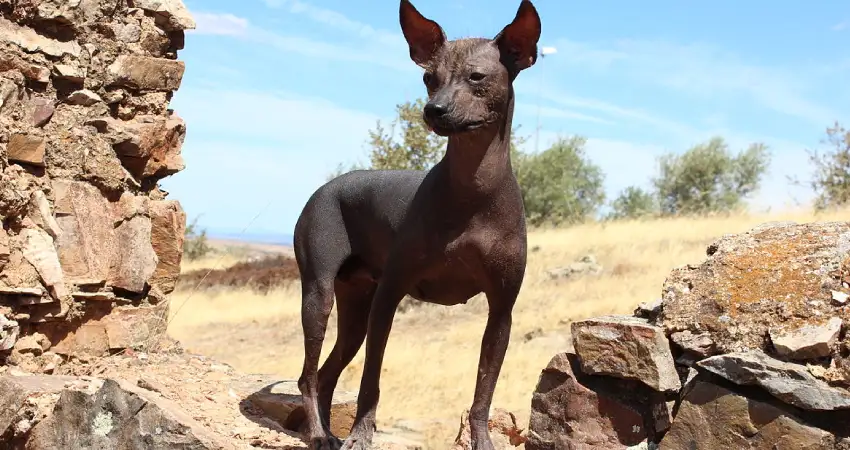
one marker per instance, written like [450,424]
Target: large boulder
[774,279]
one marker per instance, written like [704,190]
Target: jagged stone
[713,417]
[31,42]
[135,260]
[88,244]
[9,331]
[172,14]
[41,253]
[84,97]
[146,73]
[808,342]
[42,214]
[571,410]
[119,415]
[628,348]
[42,111]
[697,343]
[168,231]
[27,149]
[791,383]
[69,73]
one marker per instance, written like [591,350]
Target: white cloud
[532,110]
[841,26]
[703,71]
[219,24]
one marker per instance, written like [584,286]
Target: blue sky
[278,92]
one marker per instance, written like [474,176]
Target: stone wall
[90,247]
[744,351]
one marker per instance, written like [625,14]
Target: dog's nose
[436,109]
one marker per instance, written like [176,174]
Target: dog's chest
[452,279]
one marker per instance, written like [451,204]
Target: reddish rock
[27,149]
[712,417]
[168,233]
[808,342]
[42,111]
[626,347]
[135,261]
[149,146]
[146,73]
[88,244]
[567,414]
[40,252]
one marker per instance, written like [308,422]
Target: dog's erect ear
[517,42]
[423,35]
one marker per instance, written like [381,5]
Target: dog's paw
[329,442]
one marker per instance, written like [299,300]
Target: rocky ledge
[744,351]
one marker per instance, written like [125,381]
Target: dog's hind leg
[353,301]
[316,307]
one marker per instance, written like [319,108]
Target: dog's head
[469,80]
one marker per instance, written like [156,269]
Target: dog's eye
[427,77]
[476,76]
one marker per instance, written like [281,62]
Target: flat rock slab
[808,342]
[281,401]
[628,348]
[791,383]
[714,418]
[570,410]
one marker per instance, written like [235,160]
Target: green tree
[560,185]
[709,178]
[831,179]
[418,148]
[195,245]
[633,203]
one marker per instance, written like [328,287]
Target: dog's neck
[479,162]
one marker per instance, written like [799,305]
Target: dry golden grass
[431,359]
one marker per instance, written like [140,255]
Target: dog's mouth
[446,129]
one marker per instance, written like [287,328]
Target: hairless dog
[370,237]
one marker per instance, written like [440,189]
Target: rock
[88,244]
[789,382]
[84,97]
[31,42]
[808,342]
[120,415]
[571,411]
[69,73]
[587,265]
[9,332]
[149,146]
[712,417]
[839,298]
[128,32]
[773,277]
[5,251]
[699,344]
[29,344]
[628,348]
[168,231]
[281,401]
[146,73]
[40,252]
[94,296]
[10,93]
[136,260]
[41,214]
[649,310]
[504,432]
[27,149]
[42,111]
[20,393]
[172,15]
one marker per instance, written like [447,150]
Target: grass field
[431,359]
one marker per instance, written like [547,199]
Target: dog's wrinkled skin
[442,236]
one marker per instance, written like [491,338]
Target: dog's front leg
[389,293]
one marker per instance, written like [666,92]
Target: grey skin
[441,236]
